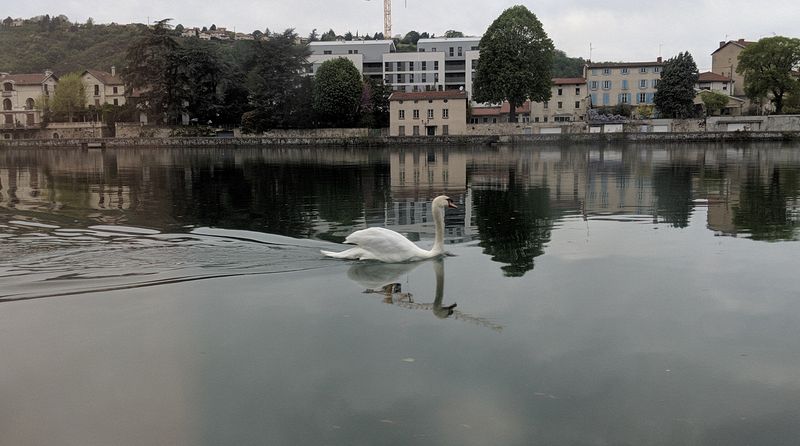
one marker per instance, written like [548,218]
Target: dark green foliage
[337,93]
[565,66]
[714,101]
[675,93]
[453,33]
[516,60]
[375,104]
[767,67]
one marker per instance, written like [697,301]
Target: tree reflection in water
[762,209]
[514,225]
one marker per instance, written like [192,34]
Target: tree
[274,82]
[69,97]
[767,67]
[411,38]
[8,21]
[313,36]
[714,101]
[213,27]
[516,60]
[453,33]
[337,92]
[328,36]
[675,92]
[179,29]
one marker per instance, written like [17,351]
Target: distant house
[103,87]
[724,61]
[568,103]
[710,81]
[628,83]
[21,94]
[428,113]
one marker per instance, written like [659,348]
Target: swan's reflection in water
[383,278]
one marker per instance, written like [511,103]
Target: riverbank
[386,141]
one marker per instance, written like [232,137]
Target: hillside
[65,47]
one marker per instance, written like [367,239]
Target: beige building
[428,113]
[724,61]
[568,103]
[21,94]
[614,83]
[103,88]
[710,81]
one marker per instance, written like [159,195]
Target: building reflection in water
[510,199]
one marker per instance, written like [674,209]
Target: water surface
[604,296]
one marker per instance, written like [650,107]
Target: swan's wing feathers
[383,242]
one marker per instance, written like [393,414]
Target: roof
[568,80]
[524,108]
[486,111]
[351,42]
[105,78]
[500,110]
[712,77]
[741,43]
[27,79]
[426,95]
[654,63]
[449,39]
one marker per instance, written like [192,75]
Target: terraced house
[631,83]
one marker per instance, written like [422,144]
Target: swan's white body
[385,245]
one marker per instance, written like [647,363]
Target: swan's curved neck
[438,221]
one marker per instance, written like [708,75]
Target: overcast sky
[617,30]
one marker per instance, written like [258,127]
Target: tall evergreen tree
[675,92]
[516,60]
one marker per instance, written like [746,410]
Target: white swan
[385,245]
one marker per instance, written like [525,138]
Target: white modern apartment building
[366,55]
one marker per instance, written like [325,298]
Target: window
[401,131]
[430,113]
[387,66]
[433,49]
[560,91]
[422,50]
[642,97]
[399,78]
[451,51]
[654,83]
[436,65]
[577,91]
[545,105]
[594,71]
[656,69]
[623,70]
[349,51]
[606,71]
[536,119]
[8,86]
[97,90]
[625,98]
[593,85]
[424,66]
[327,52]
[415,130]
[643,70]
[29,104]
[545,119]
[624,84]
[424,77]
[6,104]
[415,114]
[355,51]
[606,99]
[474,48]
[460,52]
[560,105]
[401,114]
[643,83]
[436,77]
[606,85]
[411,66]
[445,113]
[116,101]
[577,104]
[115,90]
[445,129]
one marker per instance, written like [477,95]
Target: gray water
[637,295]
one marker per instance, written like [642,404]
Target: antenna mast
[387,19]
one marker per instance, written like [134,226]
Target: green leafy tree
[675,92]
[274,82]
[453,33]
[411,38]
[714,101]
[516,60]
[69,97]
[337,92]
[767,67]
[328,36]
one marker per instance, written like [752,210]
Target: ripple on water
[45,260]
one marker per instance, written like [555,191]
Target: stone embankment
[385,141]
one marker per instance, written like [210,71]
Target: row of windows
[607,85]
[523,119]
[451,50]
[29,104]
[559,105]
[608,71]
[624,98]
[409,78]
[561,91]
[415,114]
[401,66]
[401,130]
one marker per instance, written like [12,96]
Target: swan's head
[443,201]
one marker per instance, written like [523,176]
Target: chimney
[48,72]
[722,43]
[113,71]
[741,41]
[659,59]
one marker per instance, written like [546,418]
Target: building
[366,55]
[710,81]
[630,83]
[724,61]
[568,103]
[103,87]
[20,95]
[416,71]
[428,113]
[460,56]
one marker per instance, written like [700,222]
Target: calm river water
[636,295]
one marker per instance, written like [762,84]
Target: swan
[385,245]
